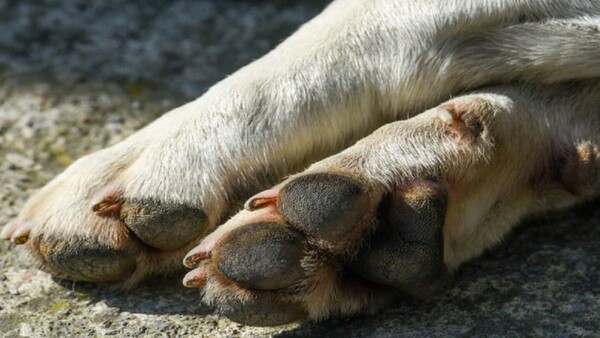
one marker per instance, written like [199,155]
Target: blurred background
[184,45]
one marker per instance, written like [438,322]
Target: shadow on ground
[543,280]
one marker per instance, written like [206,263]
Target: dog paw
[394,214]
[86,226]
[287,257]
[127,211]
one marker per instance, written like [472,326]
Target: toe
[325,206]
[86,259]
[164,226]
[262,256]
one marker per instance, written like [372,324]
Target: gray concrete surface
[76,76]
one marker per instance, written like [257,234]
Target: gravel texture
[76,76]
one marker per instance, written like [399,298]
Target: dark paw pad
[325,206]
[162,225]
[580,169]
[263,256]
[407,250]
[84,259]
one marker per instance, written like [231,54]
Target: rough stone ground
[76,76]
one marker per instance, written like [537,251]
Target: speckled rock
[76,76]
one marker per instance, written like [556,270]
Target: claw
[9,229]
[195,256]
[108,202]
[21,234]
[263,198]
[195,278]
[445,116]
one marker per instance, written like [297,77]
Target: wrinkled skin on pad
[261,256]
[160,225]
[86,260]
[331,205]
[407,251]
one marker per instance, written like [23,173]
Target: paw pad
[325,206]
[262,256]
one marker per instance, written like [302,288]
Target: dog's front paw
[286,258]
[92,224]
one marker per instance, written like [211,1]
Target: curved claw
[195,278]
[9,229]
[21,234]
[195,256]
[108,201]
[263,198]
